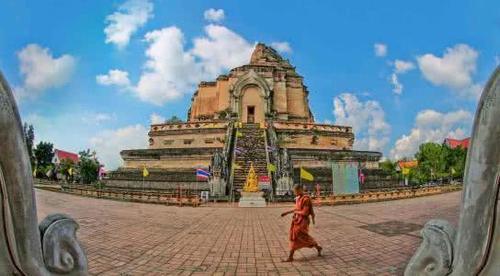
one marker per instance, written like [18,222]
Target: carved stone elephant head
[26,248]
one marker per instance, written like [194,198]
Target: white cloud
[170,70]
[367,119]
[282,47]
[109,143]
[380,49]
[453,70]
[221,49]
[114,77]
[400,67]
[432,126]
[130,16]
[42,71]
[157,119]
[214,15]
[398,87]
[97,118]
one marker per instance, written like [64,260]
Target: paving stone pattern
[123,238]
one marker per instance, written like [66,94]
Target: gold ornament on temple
[252,183]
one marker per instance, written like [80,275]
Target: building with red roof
[60,155]
[454,143]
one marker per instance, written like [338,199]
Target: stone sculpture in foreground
[27,248]
[474,248]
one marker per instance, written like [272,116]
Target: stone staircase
[252,143]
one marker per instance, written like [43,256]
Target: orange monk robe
[299,230]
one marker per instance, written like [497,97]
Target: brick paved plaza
[124,238]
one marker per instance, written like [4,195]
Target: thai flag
[202,174]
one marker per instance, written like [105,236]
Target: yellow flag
[306,175]
[453,171]
[145,172]
[239,134]
[70,171]
[406,171]
[271,167]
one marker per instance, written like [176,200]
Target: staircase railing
[232,160]
[273,138]
[227,152]
[266,145]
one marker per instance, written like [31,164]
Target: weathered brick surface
[123,238]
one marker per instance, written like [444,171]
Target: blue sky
[400,73]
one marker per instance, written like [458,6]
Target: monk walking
[299,230]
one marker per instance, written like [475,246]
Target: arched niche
[250,90]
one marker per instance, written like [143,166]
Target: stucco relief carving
[475,249]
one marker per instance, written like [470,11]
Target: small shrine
[252,182]
[251,196]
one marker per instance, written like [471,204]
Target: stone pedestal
[252,199]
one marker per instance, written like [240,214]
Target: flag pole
[300,177]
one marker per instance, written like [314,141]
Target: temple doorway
[250,114]
[252,105]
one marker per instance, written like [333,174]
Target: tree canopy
[44,152]
[88,166]
[438,161]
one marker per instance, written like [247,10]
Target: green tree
[455,160]
[65,166]
[29,137]
[388,167]
[44,152]
[88,166]
[174,119]
[431,161]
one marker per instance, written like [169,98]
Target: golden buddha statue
[252,182]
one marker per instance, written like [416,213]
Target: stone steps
[253,145]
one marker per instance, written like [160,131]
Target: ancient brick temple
[259,113]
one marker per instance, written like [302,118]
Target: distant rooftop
[61,154]
[454,143]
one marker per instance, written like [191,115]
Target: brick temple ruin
[259,113]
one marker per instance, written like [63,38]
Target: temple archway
[250,97]
[252,105]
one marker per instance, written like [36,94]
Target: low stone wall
[156,185]
[179,197]
[47,184]
[158,179]
[191,198]
[385,195]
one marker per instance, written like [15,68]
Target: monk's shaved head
[298,189]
